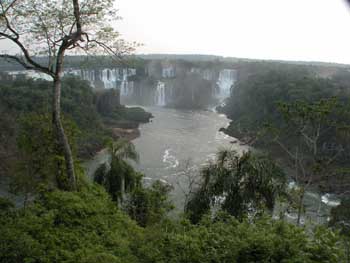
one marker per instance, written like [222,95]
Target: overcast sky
[311,30]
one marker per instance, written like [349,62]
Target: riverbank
[243,137]
[123,122]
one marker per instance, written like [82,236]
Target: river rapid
[179,142]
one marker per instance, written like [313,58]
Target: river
[179,142]
[175,143]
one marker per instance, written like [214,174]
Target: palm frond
[123,149]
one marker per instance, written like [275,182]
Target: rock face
[128,134]
[190,91]
[107,100]
[164,83]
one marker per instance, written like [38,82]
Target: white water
[29,74]
[168,72]
[160,94]
[227,78]
[109,77]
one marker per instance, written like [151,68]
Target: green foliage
[122,149]
[254,100]
[227,240]
[148,206]
[41,164]
[145,205]
[85,226]
[5,205]
[68,227]
[240,185]
[318,132]
[299,118]
[27,96]
[78,102]
[8,147]
[340,217]
[129,117]
[119,178]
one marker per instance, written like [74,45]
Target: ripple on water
[170,159]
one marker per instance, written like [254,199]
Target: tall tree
[44,31]
[313,138]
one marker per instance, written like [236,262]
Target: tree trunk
[122,189]
[300,206]
[61,136]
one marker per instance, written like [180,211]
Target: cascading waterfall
[227,78]
[168,72]
[208,74]
[124,84]
[164,92]
[160,94]
[109,78]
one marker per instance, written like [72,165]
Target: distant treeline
[210,61]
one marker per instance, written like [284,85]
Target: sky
[303,30]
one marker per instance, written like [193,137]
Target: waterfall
[168,72]
[126,88]
[124,83]
[107,78]
[227,78]
[110,78]
[208,74]
[28,74]
[160,94]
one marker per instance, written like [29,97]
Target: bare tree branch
[18,60]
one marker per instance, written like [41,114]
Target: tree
[7,142]
[36,160]
[45,31]
[148,206]
[240,185]
[187,182]
[340,219]
[301,119]
[312,137]
[119,178]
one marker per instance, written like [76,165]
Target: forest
[116,218]
[237,205]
